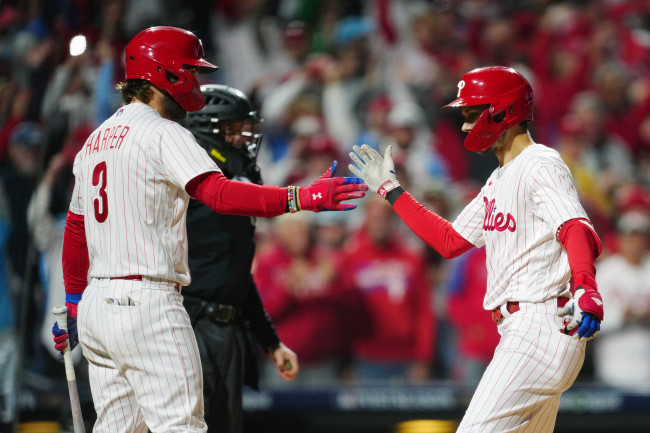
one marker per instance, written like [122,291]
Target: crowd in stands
[354,294]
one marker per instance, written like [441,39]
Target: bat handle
[61,314]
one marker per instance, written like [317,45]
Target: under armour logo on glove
[586,309]
[327,192]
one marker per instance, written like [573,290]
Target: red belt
[510,306]
[139,278]
[128,277]
[513,306]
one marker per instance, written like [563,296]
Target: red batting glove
[60,336]
[586,311]
[327,192]
[591,302]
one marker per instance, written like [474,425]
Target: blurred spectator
[15,102]
[331,230]
[416,63]
[19,179]
[290,58]
[301,289]
[622,349]
[603,152]
[297,117]
[593,192]
[7,324]
[246,39]
[46,216]
[316,158]
[623,106]
[140,15]
[445,200]
[397,338]
[560,63]
[69,97]
[107,101]
[413,146]
[347,79]
[375,127]
[476,337]
[305,135]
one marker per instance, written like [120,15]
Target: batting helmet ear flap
[485,132]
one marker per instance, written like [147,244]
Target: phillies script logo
[497,221]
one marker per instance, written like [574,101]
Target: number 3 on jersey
[100,204]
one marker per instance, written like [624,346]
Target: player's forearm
[433,229]
[237,198]
[75,258]
[582,245]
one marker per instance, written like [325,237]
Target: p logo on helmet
[507,94]
[161,56]
[461,85]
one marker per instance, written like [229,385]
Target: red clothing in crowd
[477,334]
[306,312]
[398,315]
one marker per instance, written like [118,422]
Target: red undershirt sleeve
[433,229]
[75,255]
[228,196]
[582,245]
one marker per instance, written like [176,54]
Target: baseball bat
[61,314]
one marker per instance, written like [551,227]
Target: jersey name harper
[497,220]
[109,138]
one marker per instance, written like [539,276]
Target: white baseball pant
[532,366]
[144,363]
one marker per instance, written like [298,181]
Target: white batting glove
[377,172]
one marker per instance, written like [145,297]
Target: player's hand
[586,309]
[327,192]
[286,361]
[62,337]
[377,172]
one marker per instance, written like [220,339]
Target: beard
[499,144]
[172,110]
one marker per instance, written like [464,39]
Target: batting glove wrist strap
[387,187]
[71,301]
[327,192]
[591,302]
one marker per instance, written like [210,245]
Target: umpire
[222,300]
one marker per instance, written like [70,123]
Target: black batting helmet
[228,128]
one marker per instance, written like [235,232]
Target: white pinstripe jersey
[516,216]
[130,179]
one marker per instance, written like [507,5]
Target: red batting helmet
[508,95]
[161,56]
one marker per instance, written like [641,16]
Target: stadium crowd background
[354,294]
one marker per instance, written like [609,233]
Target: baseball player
[125,242]
[223,299]
[537,238]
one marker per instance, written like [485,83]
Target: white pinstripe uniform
[516,216]
[144,363]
